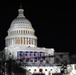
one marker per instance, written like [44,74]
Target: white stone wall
[14,49]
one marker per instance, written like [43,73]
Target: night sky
[54,22]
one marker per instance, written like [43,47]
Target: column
[14,41]
[33,41]
[27,40]
[20,40]
[24,40]
[10,41]
[20,31]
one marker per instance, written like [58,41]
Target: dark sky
[54,22]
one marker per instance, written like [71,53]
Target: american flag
[35,55]
[26,55]
[41,54]
[31,55]
[20,55]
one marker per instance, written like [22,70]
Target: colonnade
[21,32]
[21,40]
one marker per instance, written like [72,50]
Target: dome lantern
[20,13]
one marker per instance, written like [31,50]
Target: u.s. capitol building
[22,42]
[21,45]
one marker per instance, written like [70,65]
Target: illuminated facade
[21,44]
[21,39]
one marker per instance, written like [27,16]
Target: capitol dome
[21,32]
[20,20]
